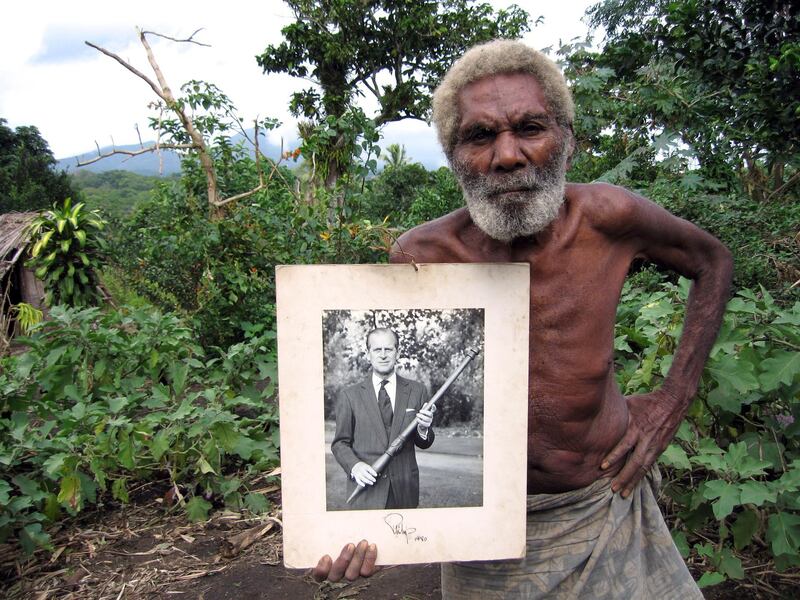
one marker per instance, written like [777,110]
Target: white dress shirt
[391,387]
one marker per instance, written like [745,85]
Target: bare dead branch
[189,40]
[154,148]
[130,68]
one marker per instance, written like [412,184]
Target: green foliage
[220,274]
[761,235]
[441,196]
[116,194]
[346,46]
[28,180]
[101,401]
[723,75]
[733,472]
[27,316]
[67,249]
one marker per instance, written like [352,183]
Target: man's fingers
[354,567]
[340,565]
[368,566]
[371,471]
[636,468]
[323,568]
[619,451]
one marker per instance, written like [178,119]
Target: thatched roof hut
[17,282]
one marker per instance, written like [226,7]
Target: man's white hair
[494,58]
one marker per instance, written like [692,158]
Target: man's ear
[570,133]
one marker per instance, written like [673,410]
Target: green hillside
[116,193]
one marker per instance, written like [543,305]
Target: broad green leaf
[5,488]
[178,372]
[744,528]
[754,492]
[54,463]
[226,435]
[679,537]
[675,456]
[70,491]
[29,488]
[31,537]
[726,495]
[711,461]
[729,565]
[710,578]
[160,444]
[117,403]
[257,503]
[205,466]
[783,533]
[197,509]
[782,368]
[119,489]
[125,457]
[739,374]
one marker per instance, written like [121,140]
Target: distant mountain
[421,146]
[165,162]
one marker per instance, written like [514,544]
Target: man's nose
[508,155]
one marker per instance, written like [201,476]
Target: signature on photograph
[398,527]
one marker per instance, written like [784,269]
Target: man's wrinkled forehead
[512,97]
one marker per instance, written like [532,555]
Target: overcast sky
[75,96]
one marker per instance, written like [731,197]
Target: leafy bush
[733,472]
[103,400]
[66,251]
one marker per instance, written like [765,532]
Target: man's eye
[529,129]
[479,135]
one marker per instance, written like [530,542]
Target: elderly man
[504,117]
[369,415]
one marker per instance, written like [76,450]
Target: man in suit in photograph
[372,413]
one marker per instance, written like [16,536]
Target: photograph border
[493,531]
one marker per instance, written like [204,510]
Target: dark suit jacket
[361,436]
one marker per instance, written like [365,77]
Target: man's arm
[681,246]
[342,444]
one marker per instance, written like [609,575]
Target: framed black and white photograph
[403,409]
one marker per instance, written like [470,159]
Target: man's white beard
[532,204]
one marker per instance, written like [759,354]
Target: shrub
[103,400]
[66,251]
[733,472]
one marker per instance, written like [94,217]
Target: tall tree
[393,50]
[28,180]
[725,74]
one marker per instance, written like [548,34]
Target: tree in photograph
[393,50]
[28,179]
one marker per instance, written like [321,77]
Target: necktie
[385,406]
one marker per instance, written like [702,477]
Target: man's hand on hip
[363,474]
[653,420]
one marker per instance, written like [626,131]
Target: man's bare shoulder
[606,207]
[433,241]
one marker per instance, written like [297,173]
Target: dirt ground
[144,552]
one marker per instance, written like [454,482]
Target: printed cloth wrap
[584,544]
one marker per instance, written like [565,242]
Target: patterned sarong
[584,544]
